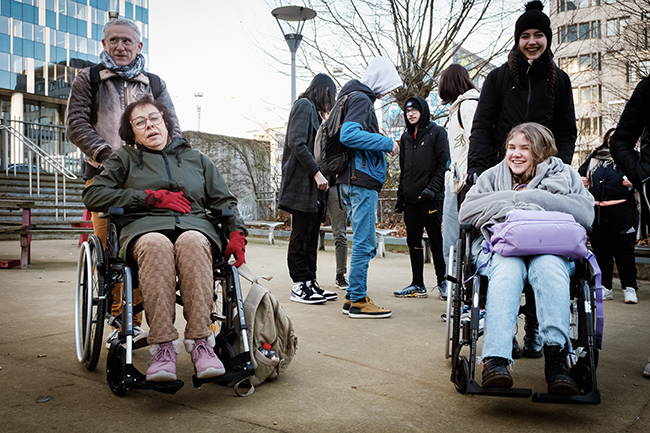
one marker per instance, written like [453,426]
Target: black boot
[516,351]
[495,373]
[557,372]
[532,343]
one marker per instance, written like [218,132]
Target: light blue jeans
[548,276]
[450,224]
[361,204]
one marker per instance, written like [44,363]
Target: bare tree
[419,36]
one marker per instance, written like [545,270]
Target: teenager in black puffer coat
[423,160]
[616,218]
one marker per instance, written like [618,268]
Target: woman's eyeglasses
[141,121]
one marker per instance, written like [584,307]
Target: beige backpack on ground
[267,323]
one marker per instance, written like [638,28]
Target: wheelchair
[99,269]
[465,300]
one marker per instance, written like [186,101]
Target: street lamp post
[299,15]
[198,110]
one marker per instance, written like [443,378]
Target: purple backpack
[532,233]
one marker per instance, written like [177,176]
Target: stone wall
[245,165]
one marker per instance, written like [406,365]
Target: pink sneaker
[206,362]
[162,367]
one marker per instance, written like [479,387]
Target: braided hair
[517,61]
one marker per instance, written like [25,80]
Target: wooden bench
[379,233]
[270,225]
[321,235]
[381,240]
[26,229]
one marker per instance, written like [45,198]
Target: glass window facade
[43,44]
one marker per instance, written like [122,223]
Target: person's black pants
[417,217]
[301,255]
[613,238]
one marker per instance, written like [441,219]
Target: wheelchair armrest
[222,213]
[466,226]
[112,211]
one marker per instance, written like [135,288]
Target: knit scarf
[126,72]
[600,158]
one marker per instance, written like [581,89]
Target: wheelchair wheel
[90,303]
[460,374]
[116,369]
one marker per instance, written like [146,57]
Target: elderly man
[97,100]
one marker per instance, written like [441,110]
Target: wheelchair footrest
[474,388]
[231,376]
[136,380]
[593,397]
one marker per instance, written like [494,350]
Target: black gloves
[399,206]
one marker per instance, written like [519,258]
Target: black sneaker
[346,305]
[304,294]
[341,282]
[495,373]
[327,294]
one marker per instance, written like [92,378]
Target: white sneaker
[630,295]
[646,371]
[139,334]
[607,294]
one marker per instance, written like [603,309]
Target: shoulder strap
[501,88]
[94,87]
[155,83]
[460,115]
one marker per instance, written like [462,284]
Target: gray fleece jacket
[555,187]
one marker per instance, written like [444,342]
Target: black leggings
[613,238]
[417,217]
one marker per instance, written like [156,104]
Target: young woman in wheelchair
[165,189]
[529,178]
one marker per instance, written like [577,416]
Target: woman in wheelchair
[529,178]
[165,189]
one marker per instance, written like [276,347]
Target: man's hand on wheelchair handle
[237,247]
[163,199]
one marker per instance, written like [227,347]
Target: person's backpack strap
[503,78]
[94,88]
[460,114]
[154,82]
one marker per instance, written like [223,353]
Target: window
[587,95]
[617,26]
[637,71]
[582,31]
[612,27]
[590,126]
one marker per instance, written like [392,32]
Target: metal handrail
[36,149]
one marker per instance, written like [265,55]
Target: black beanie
[534,18]
[412,102]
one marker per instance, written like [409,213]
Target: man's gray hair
[123,22]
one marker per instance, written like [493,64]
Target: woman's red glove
[163,199]
[237,247]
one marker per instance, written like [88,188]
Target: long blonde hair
[542,145]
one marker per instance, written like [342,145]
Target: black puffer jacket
[634,119]
[423,159]
[606,183]
[528,101]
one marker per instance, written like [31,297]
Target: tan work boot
[366,309]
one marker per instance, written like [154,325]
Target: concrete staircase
[51,218]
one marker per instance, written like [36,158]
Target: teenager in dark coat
[527,88]
[303,189]
[616,218]
[423,160]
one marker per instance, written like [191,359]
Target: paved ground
[348,375]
